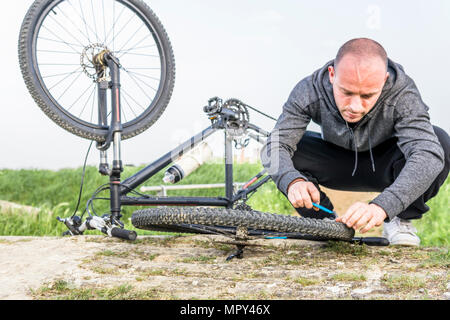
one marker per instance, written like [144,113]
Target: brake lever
[110,227]
[73,224]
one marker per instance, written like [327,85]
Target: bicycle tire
[188,219]
[31,72]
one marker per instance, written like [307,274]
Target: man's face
[357,85]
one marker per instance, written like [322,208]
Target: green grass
[56,194]
[348,277]
[62,290]
[433,228]
[403,282]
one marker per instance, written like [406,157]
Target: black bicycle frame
[119,190]
[146,173]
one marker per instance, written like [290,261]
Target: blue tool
[323,208]
[269,237]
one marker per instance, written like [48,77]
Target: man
[376,136]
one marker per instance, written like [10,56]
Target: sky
[252,50]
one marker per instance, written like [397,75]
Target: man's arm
[276,154]
[423,153]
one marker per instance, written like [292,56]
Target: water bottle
[188,163]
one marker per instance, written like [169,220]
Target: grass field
[55,193]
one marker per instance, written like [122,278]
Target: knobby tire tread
[170,219]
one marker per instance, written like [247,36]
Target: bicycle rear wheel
[57,42]
[226,221]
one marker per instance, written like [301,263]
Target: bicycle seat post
[228,168]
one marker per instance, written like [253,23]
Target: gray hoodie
[399,112]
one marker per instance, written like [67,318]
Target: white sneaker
[400,232]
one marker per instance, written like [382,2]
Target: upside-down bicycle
[72,52]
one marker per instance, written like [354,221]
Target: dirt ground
[195,267]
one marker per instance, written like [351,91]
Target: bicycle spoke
[69,86]
[114,21]
[135,80]
[59,64]
[84,20]
[73,23]
[59,82]
[114,24]
[73,103]
[134,34]
[138,68]
[86,25]
[137,43]
[56,51]
[104,20]
[62,27]
[85,104]
[57,75]
[131,97]
[121,29]
[95,24]
[132,48]
[142,75]
[122,110]
[59,41]
[145,55]
[129,106]
[44,27]
[93,107]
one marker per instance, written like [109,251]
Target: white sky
[253,50]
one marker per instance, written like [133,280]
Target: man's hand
[302,193]
[363,216]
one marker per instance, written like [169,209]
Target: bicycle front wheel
[57,44]
[226,221]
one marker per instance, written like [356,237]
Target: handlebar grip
[372,241]
[123,234]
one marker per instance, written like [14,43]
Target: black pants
[331,166]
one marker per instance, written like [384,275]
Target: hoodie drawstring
[370,150]
[356,149]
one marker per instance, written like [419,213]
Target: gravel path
[194,267]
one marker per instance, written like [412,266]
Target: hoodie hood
[360,136]
[396,82]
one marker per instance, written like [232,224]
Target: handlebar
[102,224]
[371,241]
[123,234]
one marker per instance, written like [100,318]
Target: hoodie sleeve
[421,148]
[276,154]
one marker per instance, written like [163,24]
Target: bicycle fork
[103,60]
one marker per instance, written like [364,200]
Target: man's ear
[331,74]
[387,76]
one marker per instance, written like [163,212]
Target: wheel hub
[92,62]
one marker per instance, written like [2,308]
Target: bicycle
[60,41]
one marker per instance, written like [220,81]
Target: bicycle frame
[146,173]
[119,190]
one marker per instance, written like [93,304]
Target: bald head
[358,76]
[361,49]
